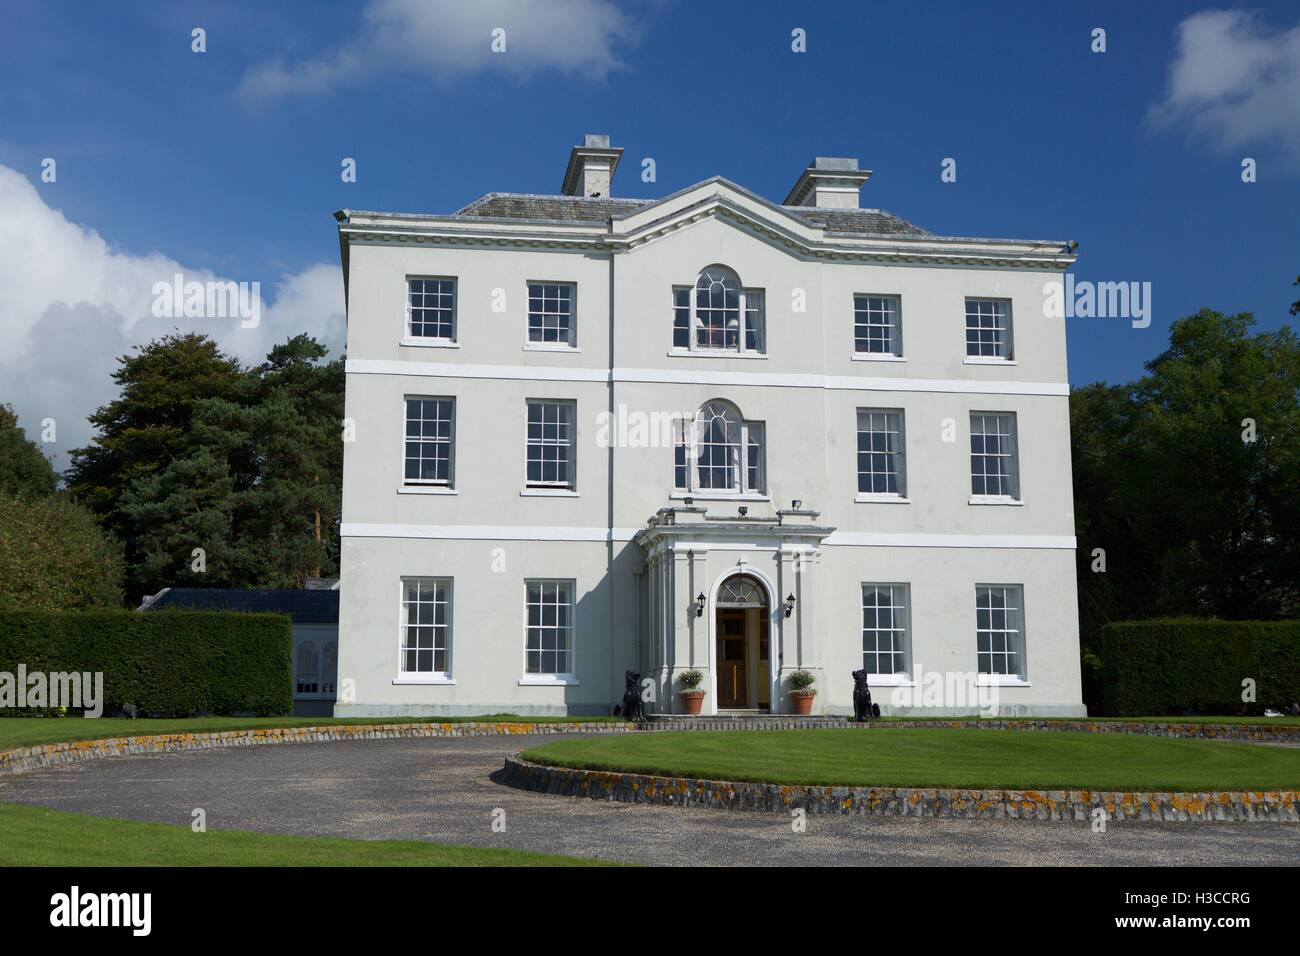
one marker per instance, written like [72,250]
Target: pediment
[713,198]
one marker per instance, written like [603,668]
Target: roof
[304,607]
[539,208]
[874,222]
[550,208]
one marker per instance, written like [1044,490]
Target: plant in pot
[692,696]
[801,692]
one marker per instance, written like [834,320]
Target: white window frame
[896,329]
[410,336]
[570,407]
[900,454]
[687,439]
[1011,593]
[549,678]
[750,301]
[897,589]
[569,344]
[1013,458]
[1008,341]
[314,674]
[443,676]
[450,481]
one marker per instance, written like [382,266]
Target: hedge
[166,663]
[1195,666]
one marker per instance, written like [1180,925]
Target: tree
[186,517]
[297,439]
[1189,478]
[53,557]
[1219,421]
[250,472]
[24,469]
[145,429]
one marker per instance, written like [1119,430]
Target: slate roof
[873,222]
[580,209]
[305,607]
[550,208]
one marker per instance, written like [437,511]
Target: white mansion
[705,432]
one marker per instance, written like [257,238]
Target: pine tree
[143,431]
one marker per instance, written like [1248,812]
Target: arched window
[717,314]
[741,591]
[329,668]
[308,669]
[720,452]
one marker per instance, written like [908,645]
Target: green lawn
[1236,721]
[937,757]
[35,836]
[26,731]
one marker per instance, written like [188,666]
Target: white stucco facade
[623,551]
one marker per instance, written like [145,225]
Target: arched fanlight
[741,591]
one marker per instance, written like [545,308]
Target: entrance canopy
[711,597]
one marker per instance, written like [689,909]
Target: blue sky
[229,160]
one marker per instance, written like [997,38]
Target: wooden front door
[733,680]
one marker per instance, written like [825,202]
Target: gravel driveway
[442,789]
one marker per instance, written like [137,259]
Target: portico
[738,598]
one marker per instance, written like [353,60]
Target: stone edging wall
[1255,732]
[1075,805]
[1276,733]
[40,756]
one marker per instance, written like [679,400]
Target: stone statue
[632,696]
[863,708]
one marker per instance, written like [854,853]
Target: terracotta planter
[802,701]
[693,700]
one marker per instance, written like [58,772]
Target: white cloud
[443,38]
[73,304]
[1235,82]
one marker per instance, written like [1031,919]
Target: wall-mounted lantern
[796,504]
[789,604]
[699,605]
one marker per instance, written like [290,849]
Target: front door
[733,680]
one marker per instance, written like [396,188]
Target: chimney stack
[829,182]
[591,167]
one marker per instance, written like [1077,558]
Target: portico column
[652,607]
[813,599]
[677,570]
[640,606]
[810,618]
[790,650]
[663,648]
